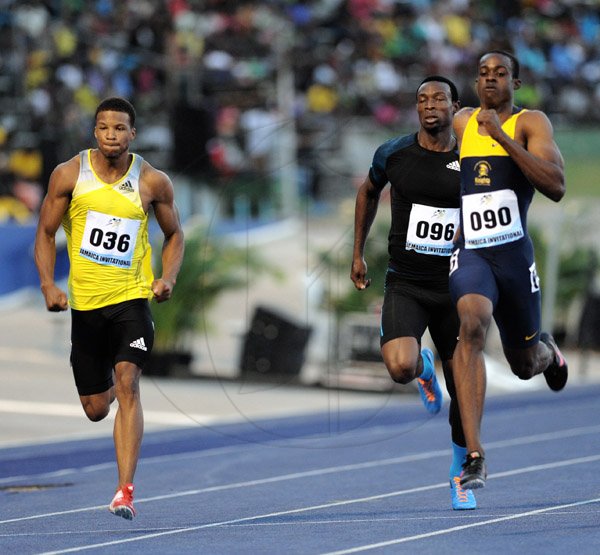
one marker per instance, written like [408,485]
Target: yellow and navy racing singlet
[107,239]
[495,194]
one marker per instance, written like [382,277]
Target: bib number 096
[435,231]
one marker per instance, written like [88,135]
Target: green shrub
[211,266]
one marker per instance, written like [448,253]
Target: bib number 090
[489,219]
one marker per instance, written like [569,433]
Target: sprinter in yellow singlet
[102,197]
[506,154]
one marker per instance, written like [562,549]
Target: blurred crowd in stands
[212,80]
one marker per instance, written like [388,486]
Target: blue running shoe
[430,390]
[462,499]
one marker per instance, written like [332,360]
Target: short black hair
[441,79]
[116,104]
[516,66]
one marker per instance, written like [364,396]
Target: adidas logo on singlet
[139,344]
[127,187]
[454,165]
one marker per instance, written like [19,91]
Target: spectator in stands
[348,56]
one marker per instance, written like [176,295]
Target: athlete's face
[434,106]
[495,83]
[113,133]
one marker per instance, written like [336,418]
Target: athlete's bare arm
[367,202]
[545,165]
[458,125]
[158,191]
[460,122]
[60,188]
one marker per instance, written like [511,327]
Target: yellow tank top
[107,239]
[474,144]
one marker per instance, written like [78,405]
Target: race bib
[109,240]
[430,229]
[491,219]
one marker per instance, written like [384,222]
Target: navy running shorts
[102,337]
[410,308]
[508,278]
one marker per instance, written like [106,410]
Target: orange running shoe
[430,390]
[462,499]
[122,503]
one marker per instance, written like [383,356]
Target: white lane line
[474,515]
[161,459]
[30,356]
[249,483]
[84,532]
[73,410]
[569,462]
[453,529]
[244,519]
[109,465]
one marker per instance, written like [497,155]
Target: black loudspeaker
[192,129]
[589,324]
[273,346]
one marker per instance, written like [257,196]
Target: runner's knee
[95,410]
[523,371]
[127,380]
[473,330]
[402,370]
[523,363]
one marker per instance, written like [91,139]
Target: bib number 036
[109,240]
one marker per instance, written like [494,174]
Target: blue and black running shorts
[508,278]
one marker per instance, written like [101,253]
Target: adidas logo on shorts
[454,165]
[139,344]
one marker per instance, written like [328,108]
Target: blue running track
[368,482]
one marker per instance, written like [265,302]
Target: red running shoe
[122,503]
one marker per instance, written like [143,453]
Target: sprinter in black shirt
[424,176]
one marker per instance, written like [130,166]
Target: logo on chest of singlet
[126,187]
[483,169]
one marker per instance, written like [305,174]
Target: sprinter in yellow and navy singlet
[102,197]
[495,193]
[107,236]
[506,154]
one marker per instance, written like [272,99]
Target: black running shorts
[409,309]
[101,338]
